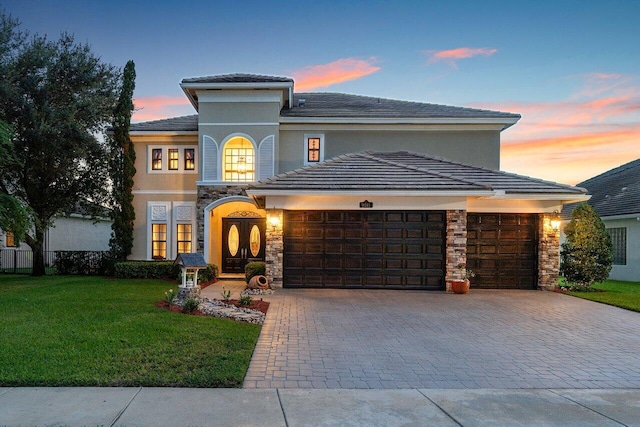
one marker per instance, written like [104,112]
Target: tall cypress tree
[122,168]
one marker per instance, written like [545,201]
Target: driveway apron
[378,339]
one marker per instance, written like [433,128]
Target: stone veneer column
[274,248]
[207,194]
[456,246]
[548,254]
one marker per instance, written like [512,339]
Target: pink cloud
[160,107]
[342,70]
[450,56]
[595,129]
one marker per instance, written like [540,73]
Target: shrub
[89,263]
[244,300]
[587,255]
[226,294]
[190,305]
[210,273]
[146,270]
[255,268]
[169,297]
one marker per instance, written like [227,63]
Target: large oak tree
[57,96]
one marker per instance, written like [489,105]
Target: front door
[243,241]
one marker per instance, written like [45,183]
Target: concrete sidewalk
[139,406]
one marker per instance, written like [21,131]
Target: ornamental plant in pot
[462,286]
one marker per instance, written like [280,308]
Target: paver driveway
[316,338]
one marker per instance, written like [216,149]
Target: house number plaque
[366,204]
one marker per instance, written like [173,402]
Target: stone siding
[548,254]
[456,251]
[274,248]
[208,194]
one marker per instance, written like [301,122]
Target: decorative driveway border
[378,339]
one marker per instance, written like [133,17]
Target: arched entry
[234,233]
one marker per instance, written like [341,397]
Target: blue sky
[569,67]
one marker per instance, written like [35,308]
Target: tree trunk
[37,246]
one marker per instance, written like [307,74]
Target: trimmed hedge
[88,263]
[255,268]
[159,270]
[146,270]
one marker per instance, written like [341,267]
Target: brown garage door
[502,249]
[360,249]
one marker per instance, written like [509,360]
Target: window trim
[307,137]
[166,161]
[173,215]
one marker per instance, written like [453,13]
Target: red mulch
[258,305]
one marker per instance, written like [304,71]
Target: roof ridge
[382,98]
[371,156]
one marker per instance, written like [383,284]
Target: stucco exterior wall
[79,234]
[474,147]
[630,271]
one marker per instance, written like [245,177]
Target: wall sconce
[556,220]
[274,220]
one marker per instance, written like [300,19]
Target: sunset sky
[570,68]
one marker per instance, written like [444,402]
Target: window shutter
[209,159]
[265,158]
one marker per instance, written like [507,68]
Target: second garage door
[502,249]
[356,249]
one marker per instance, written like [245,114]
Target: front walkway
[376,339]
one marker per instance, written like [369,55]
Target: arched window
[239,161]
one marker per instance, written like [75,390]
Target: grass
[621,294]
[87,331]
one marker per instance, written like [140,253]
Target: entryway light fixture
[242,164]
[556,220]
[274,220]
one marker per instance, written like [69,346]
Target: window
[184,238]
[189,159]
[159,241]
[313,149]
[619,242]
[173,159]
[10,240]
[156,156]
[239,161]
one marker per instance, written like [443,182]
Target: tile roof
[406,171]
[175,124]
[238,78]
[345,105]
[615,192]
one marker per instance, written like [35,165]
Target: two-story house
[336,190]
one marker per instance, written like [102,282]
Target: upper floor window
[313,149]
[179,159]
[189,159]
[173,159]
[239,161]
[619,243]
[156,156]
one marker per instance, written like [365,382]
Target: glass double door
[243,241]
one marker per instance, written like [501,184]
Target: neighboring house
[71,233]
[616,199]
[76,232]
[336,190]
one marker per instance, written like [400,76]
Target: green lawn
[621,294]
[87,331]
